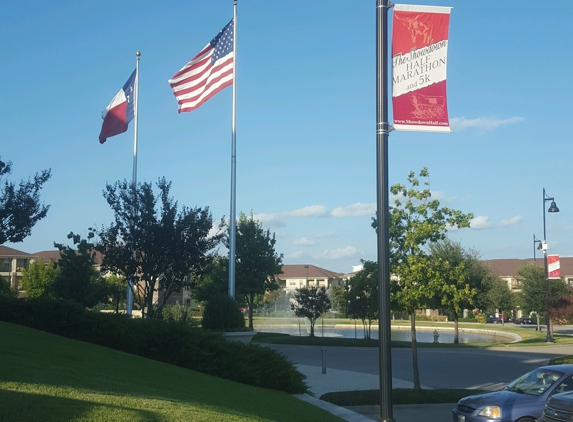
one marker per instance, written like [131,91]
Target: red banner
[419,62]
[553,266]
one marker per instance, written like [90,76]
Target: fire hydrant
[436,336]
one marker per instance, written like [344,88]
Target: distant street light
[538,247]
[552,208]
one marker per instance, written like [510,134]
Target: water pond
[445,336]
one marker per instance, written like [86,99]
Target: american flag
[207,73]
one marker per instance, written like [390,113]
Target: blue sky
[306,137]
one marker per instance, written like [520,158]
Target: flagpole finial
[137,53]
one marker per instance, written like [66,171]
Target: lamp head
[553,207]
[540,246]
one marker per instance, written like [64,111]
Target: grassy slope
[50,378]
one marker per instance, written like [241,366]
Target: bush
[175,343]
[6,290]
[222,313]
[177,313]
[481,318]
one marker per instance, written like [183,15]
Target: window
[21,264]
[5,265]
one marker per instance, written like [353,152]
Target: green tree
[460,281]
[362,296]
[38,279]
[337,296]
[20,207]
[452,289]
[77,279]
[154,244]
[500,297]
[531,278]
[310,302]
[117,288]
[257,263]
[561,307]
[415,220]
[214,281]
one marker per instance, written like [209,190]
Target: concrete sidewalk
[340,380]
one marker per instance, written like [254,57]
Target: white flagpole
[233,228]
[129,301]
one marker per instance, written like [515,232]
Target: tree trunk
[149,305]
[414,351]
[251,299]
[311,327]
[456,332]
[538,321]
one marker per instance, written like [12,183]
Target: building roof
[304,271]
[509,267]
[6,251]
[54,256]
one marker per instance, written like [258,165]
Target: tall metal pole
[129,299]
[382,130]
[548,337]
[232,217]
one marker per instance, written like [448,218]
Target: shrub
[177,313]
[175,343]
[6,290]
[222,313]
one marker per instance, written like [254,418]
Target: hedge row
[170,342]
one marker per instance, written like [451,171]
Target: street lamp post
[540,246]
[552,208]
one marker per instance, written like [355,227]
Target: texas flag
[120,111]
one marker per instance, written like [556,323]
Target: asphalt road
[439,368]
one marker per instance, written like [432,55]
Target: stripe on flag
[210,71]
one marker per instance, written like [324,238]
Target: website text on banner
[419,63]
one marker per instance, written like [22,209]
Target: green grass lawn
[44,377]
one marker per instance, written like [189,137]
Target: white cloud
[303,241]
[484,124]
[339,253]
[309,211]
[270,219]
[213,231]
[355,210]
[295,255]
[512,221]
[480,222]
[441,196]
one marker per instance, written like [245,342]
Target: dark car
[522,400]
[523,321]
[559,408]
[493,320]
